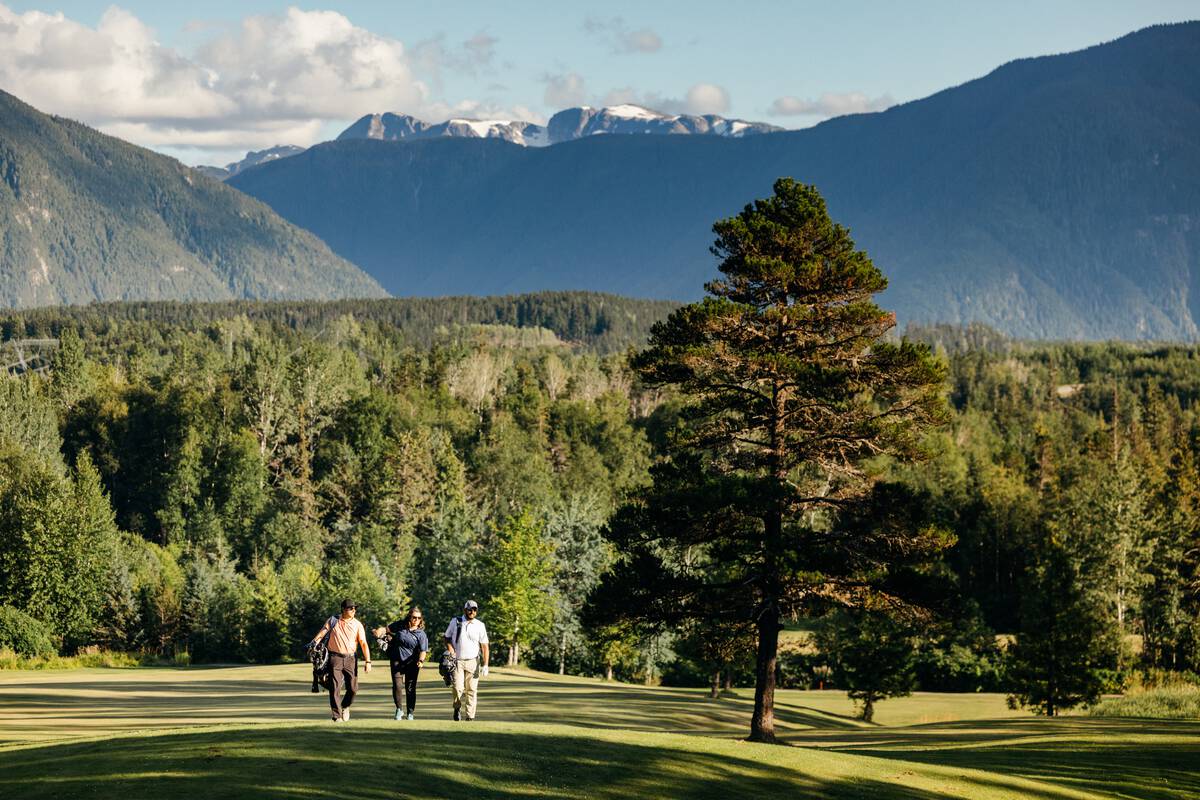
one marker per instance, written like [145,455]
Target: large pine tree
[768,502]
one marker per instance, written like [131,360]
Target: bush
[101,659]
[1169,702]
[25,635]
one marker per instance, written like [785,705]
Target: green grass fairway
[257,732]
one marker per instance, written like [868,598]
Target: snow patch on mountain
[565,126]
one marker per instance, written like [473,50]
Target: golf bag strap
[330,623]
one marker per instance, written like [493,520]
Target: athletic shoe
[337,719]
[345,715]
[410,716]
[400,715]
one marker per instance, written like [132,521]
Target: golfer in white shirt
[467,640]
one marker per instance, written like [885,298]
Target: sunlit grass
[257,732]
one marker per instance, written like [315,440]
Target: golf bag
[448,663]
[318,656]
[446,667]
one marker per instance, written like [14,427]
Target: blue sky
[206,82]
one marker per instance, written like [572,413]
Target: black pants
[404,679]
[343,671]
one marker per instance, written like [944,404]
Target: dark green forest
[205,483]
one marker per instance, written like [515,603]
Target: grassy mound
[1167,702]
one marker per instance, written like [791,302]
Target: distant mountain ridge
[85,217]
[1056,197]
[567,125]
[252,159]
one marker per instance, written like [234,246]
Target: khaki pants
[466,686]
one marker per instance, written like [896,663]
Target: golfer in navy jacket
[407,650]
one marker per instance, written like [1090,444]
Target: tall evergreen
[1066,641]
[791,389]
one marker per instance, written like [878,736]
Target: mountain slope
[86,217]
[1054,197]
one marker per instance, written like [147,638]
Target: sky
[207,82]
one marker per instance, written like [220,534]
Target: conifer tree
[1066,641]
[873,657]
[267,637]
[767,503]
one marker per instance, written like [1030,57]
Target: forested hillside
[1056,197]
[211,488]
[86,217]
[602,323]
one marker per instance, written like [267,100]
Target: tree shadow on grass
[329,762]
[1151,759]
[641,709]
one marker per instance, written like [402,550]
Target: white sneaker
[345,715]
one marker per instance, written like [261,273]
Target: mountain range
[1054,197]
[565,126]
[86,217]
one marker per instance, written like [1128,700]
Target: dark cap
[348,603]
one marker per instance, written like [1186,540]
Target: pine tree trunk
[714,689]
[729,679]
[562,655]
[608,671]
[762,723]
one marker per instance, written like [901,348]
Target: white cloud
[114,71]
[621,38]
[270,79]
[829,104]
[309,64]
[564,91]
[432,56]
[706,98]
[701,98]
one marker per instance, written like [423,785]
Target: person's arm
[424,649]
[366,649]
[320,633]
[484,649]
[450,641]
